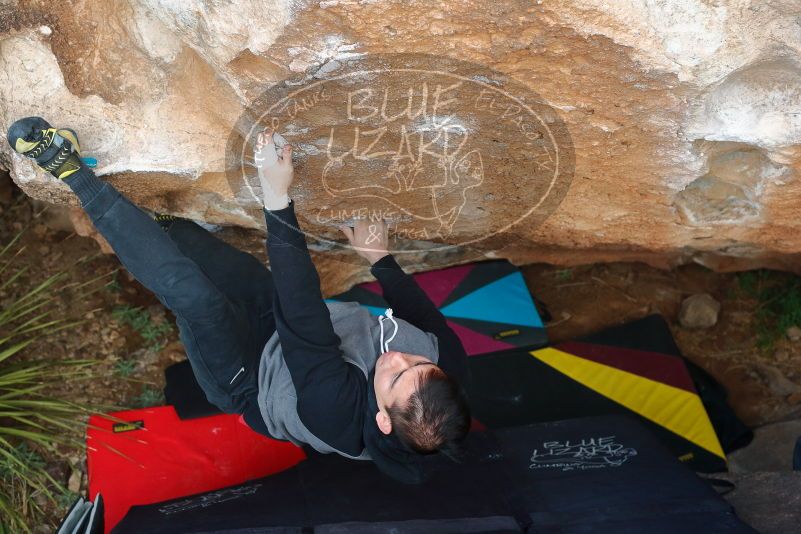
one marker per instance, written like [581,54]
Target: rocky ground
[128,334]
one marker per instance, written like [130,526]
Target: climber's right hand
[275,176]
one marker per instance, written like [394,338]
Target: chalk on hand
[268,155]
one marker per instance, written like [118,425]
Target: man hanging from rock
[265,345]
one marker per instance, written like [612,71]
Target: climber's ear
[384,422]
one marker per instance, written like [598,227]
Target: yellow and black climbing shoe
[56,150]
[164,220]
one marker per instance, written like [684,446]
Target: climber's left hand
[370,239]
[275,176]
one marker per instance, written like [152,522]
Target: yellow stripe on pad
[676,409]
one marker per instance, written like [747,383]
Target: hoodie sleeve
[411,304]
[331,393]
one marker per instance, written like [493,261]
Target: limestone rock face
[569,132]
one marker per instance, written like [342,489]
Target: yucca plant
[32,425]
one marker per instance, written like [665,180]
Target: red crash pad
[150,455]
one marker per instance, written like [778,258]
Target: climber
[265,345]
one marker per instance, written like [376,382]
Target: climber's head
[417,401]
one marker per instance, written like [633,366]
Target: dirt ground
[125,330]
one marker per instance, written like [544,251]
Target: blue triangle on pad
[506,300]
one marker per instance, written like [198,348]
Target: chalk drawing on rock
[414,139]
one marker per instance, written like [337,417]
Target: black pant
[221,297]
[217,357]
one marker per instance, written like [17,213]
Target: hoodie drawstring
[388,313]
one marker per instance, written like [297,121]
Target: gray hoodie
[360,336]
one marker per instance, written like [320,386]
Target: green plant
[142,323]
[750,282]
[65,500]
[125,368]
[149,397]
[31,422]
[778,297]
[114,285]
[563,275]
[19,493]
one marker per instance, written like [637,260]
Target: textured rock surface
[684,115]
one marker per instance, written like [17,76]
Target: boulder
[699,311]
[563,132]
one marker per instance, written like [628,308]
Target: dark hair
[436,417]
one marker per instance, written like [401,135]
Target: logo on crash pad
[129,426]
[586,453]
[209,499]
[449,152]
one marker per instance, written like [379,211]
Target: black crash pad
[597,474]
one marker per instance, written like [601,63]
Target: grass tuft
[149,397]
[778,297]
[32,424]
[142,323]
[125,368]
[563,275]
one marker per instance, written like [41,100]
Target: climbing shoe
[164,220]
[56,150]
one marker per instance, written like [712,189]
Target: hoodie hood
[390,455]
